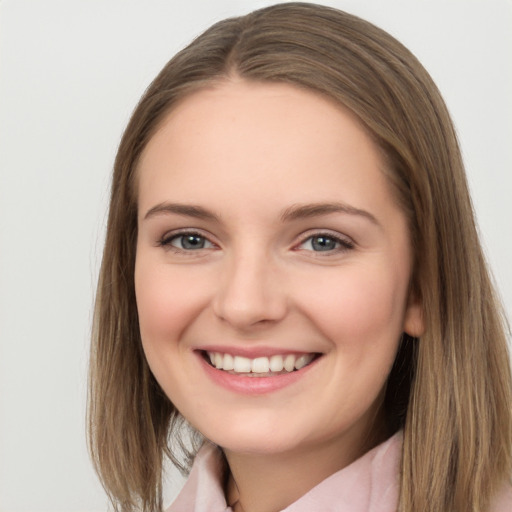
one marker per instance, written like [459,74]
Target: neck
[271,482]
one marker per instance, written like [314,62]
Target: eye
[324,242]
[187,242]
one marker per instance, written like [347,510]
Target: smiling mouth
[259,366]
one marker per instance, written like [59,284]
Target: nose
[250,292]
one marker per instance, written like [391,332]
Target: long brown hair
[451,390]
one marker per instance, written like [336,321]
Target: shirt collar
[369,484]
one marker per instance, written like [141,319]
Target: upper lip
[252,352]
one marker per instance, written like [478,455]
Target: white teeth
[303,361]
[242,364]
[276,364]
[228,363]
[259,365]
[289,363]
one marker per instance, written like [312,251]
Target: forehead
[277,108]
[240,137]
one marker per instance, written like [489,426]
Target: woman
[292,266]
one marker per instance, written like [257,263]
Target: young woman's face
[269,236]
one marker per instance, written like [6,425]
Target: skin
[247,153]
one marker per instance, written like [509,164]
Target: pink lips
[241,383]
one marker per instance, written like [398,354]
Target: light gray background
[70,73]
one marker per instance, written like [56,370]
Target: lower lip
[254,385]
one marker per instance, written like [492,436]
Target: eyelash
[343,244]
[166,240]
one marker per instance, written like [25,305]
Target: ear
[414,322]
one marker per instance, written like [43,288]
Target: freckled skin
[247,152]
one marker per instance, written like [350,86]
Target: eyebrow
[303,211]
[197,212]
[294,212]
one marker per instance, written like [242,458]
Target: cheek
[166,302]
[360,307]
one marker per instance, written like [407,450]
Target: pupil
[193,242]
[323,243]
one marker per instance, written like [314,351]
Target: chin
[256,437]
[264,445]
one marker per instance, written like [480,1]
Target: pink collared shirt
[369,484]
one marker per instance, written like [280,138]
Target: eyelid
[166,239]
[346,242]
